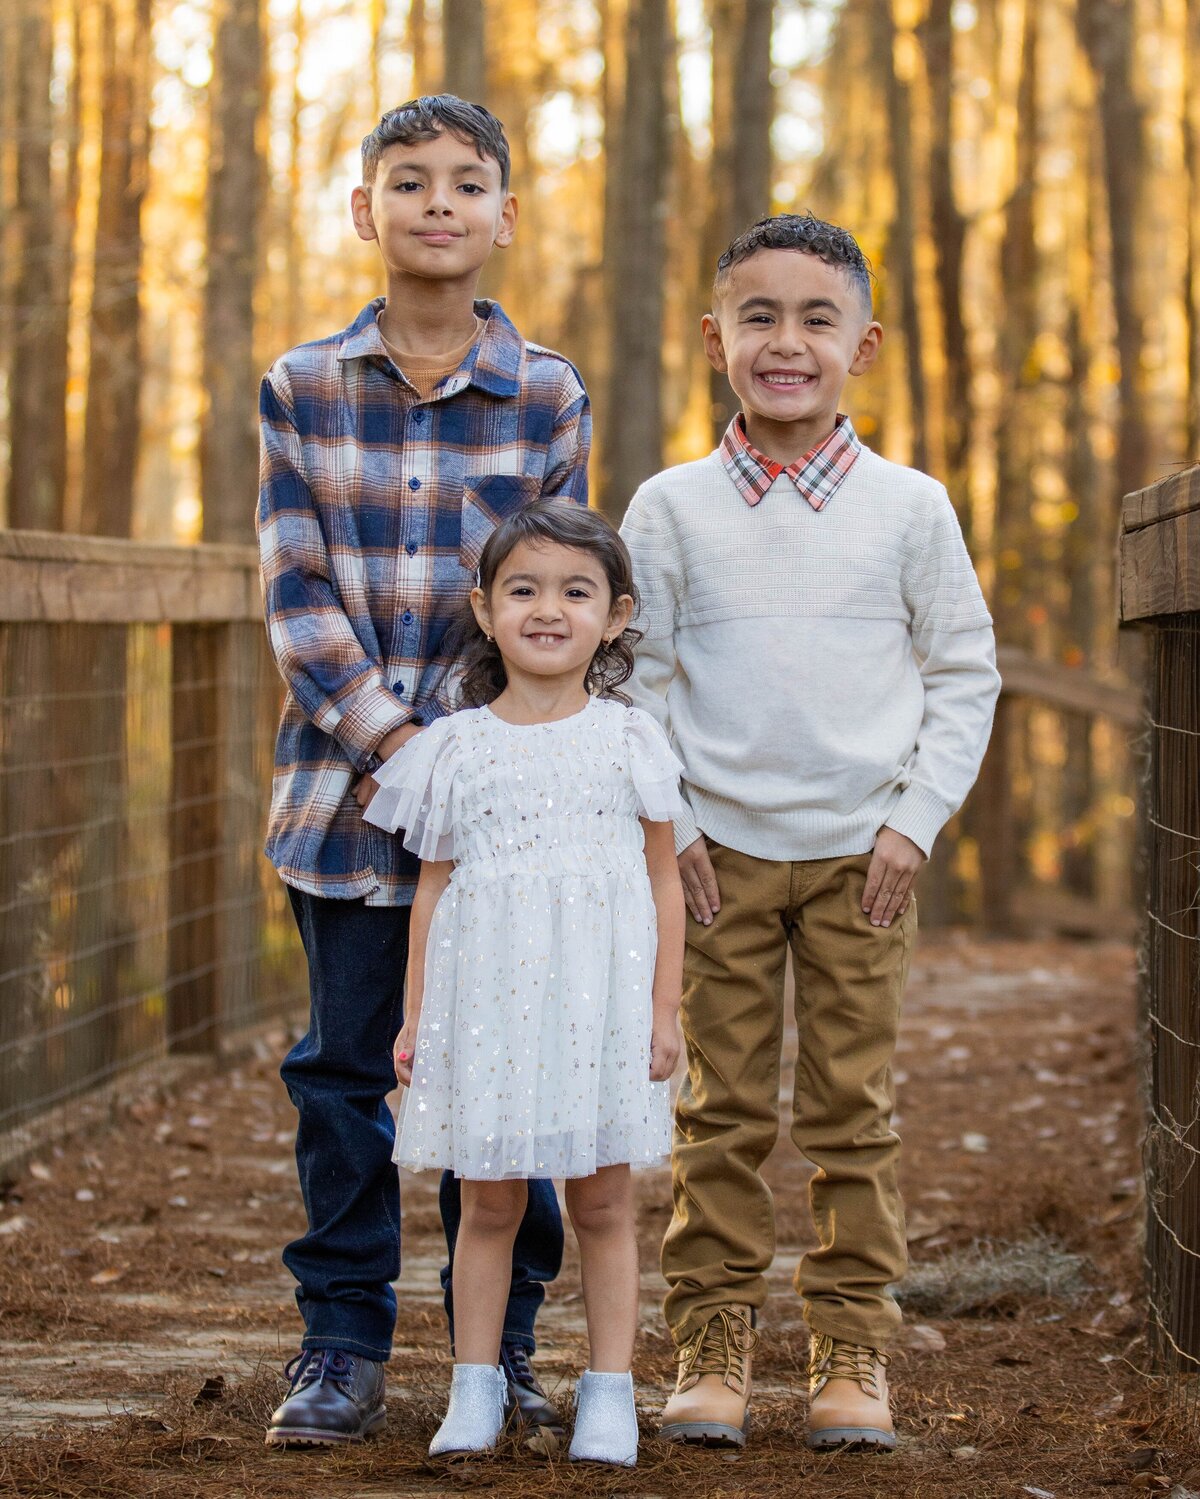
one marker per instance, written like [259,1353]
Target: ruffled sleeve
[654,767]
[416,791]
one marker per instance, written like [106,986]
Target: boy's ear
[714,347]
[508,223]
[868,348]
[360,212]
[479,607]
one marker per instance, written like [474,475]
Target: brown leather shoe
[712,1393]
[848,1397]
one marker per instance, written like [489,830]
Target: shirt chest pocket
[487,501]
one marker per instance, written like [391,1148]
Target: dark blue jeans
[338,1077]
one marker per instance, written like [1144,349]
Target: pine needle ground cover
[146,1316]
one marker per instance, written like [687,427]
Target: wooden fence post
[197,722]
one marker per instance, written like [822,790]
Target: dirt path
[140,1268]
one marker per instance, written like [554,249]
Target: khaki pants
[849,979]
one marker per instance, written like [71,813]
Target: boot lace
[721,1346]
[832,1358]
[315,1365]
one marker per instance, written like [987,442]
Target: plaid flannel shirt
[817,475]
[374,506]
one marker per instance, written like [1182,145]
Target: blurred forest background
[1024,175]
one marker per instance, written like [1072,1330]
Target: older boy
[389,453]
[817,644]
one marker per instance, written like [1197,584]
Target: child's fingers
[875,874]
[899,898]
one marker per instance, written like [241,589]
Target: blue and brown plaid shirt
[374,506]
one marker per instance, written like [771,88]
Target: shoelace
[516,1363]
[834,1359]
[720,1347]
[312,1365]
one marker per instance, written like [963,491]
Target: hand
[664,1046]
[366,786]
[699,882]
[894,867]
[405,1048]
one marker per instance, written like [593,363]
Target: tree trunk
[636,262]
[740,170]
[1191,146]
[900,253]
[949,234]
[463,71]
[38,417]
[1106,31]
[417,41]
[112,426]
[229,438]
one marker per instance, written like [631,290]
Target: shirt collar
[494,363]
[817,475]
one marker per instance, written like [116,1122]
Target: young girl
[546,951]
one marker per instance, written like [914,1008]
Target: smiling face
[549,608]
[436,208]
[788,329]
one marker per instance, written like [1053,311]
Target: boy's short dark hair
[429,116]
[804,232]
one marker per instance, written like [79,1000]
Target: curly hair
[561,523]
[804,232]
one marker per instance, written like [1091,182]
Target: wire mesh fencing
[1171,1002]
[138,918]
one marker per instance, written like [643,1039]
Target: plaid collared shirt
[374,506]
[817,475]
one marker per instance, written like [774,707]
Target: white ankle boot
[606,1429]
[475,1415]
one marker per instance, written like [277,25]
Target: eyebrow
[463,170]
[810,304]
[532,578]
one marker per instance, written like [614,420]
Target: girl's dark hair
[562,523]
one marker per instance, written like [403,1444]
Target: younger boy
[390,451]
[818,647]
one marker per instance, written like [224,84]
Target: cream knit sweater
[821,673]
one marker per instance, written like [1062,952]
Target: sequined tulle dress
[533,1047]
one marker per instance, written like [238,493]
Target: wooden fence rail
[137,915]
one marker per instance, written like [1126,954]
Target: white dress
[533,1047]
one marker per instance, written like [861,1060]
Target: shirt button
[411,548]
[414,484]
[418,416]
[398,688]
[407,617]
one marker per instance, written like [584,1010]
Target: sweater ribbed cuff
[686,831]
[919,815]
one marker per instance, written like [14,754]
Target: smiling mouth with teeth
[772,379]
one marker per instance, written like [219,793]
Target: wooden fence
[138,918]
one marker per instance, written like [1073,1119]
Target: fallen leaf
[976,1144]
[1012,1360]
[921,1226]
[179,1172]
[1037,1493]
[85,1194]
[39,1172]
[211,1390]
[1152,1481]
[215,1270]
[927,1339]
[14,1225]
[1032,1410]
[963,1453]
[1144,1458]
[106,1277]
[177,1202]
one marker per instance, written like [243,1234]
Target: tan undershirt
[424,371]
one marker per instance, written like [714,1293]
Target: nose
[548,611]
[438,204]
[788,338]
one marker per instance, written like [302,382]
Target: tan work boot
[712,1392]
[848,1397]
